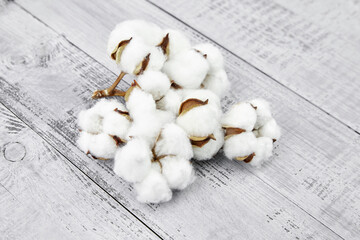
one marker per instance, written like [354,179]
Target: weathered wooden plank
[337,16]
[308,59]
[310,167]
[43,196]
[49,81]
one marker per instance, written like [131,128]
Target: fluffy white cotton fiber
[178,172]
[240,145]
[171,101]
[262,111]
[178,42]
[148,32]
[154,188]
[116,124]
[262,151]
[133,161]
[209,150]
[154,82]
[217,82]
[241,115]
[173,140]
[187,69]
[213,56]
[270,129]
[100,146]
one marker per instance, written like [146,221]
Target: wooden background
[301,55]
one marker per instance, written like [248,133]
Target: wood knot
[14,151]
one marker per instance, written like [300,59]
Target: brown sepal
[246,159]
[164,45]
[141,67]
[201,141]
[121,45]
[231,131]
[190,104]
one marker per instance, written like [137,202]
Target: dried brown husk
[190,104]
[201,141]
[141,67]
[116,53]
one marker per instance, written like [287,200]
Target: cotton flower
[100,146]
[241,115]
[173,140]
[270,129]
[154,187]
[217,82]
[154,82]
[177,171]
[139,102]
[263,151]
[263,112]
[148,32]
[210,148]
[91,120]
[197,118]
[187,69]
[171,101]
[203,95]
[117,123]
[240,146]
[213,56]
[178,42]
[148,126]
[133,161]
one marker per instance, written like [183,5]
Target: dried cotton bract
[172,113]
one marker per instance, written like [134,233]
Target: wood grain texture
[315,165]
[43,196]
[50,81]
[230,200]
[310,60]
[337,16]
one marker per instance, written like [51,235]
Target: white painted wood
[307,58]
[337,16]
[310,167]
[301,153]
[43,196]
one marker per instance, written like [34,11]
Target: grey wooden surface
[301,55]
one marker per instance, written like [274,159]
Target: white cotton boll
[133,161]
[133,55]
[90,121]
[105,106]
[154,82]
[263,151]
[199,121]
[149,125]
[271,130]
[116,124]
[99,145]
[148,32]
[203,95]
[217,82]
[178,42]
[210,149]
[171,101]
[157,59]
[262,111]
[240,145]
[154,188]
[240,115]
[173,140]
[188,69]
[140,103]
[213,56]
[178,172]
